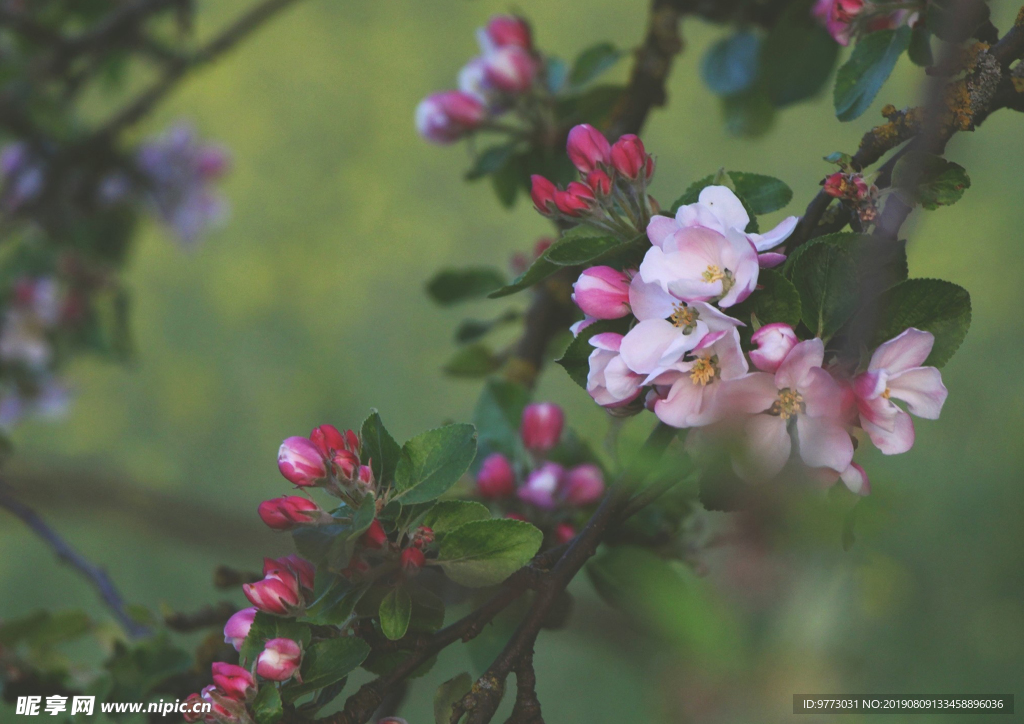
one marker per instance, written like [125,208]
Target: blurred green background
[308,307]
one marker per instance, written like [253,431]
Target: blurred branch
[97,576]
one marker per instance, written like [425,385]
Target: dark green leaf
[931,305]
[491,160]
[497,416]
[797,57]
[470,330]
[864,74]
[540,270]
[576,250]
[43,629]
[594,106]
[335,606]
[920,50]
[730,66]
[267,707]
[327,662]
[136,671]
[395,612]
[265,627]
[592,62]
[431,463]
[775,300]
[576,358]
[474,360]
[692,193]
[763,194]
[379,449]
[448,694]
[486,552]
[447,515]
[929,180]
[507,181]
[749,114]
[826,277]
[954,21]
[451,286]
[880,263]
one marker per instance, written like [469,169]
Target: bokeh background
[308,307]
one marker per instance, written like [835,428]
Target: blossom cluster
[843,19]
[681,353]
[541,491]
[493,83]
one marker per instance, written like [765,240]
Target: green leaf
[267,707]
[335,606]
[750,114]
[395,612]
[451,286]
[470,330]
[920,50]
[931,305]
[490,160]
[592,62]
[692,193]
[880,263]
[576,358]
[136,671]
[797,57]
[327,662]
[825,275]
[763,194]
[474,360]
[775,300]
[379,449]
[448,695]
[497,416]
[507,181]
[557,73]
[43,629]
[540,270]
[593,106]
[447,515]
[265,627]
[864,74]
[578,249]
[431,463]
[486,552]
[929,180]
[730,65]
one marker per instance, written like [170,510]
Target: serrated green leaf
[864,74]
[395,612]
[486,552]
[730,66]
[594,106]
[578,250]
[470,330]
[929,180]
[797,57]
[775,300]
[931,305]
[763,194]
[473,360]
[379,449]
[576,358]
[447,515]
[825,275]
[335,606]
[592,62]
[920,50]
[451,286]
[508,180]
[327,662]
[448,694]
[540,270]
[431,463]
[267,707]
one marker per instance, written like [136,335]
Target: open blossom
[799,390]
[602,292]
[279,660]
[542,486]
[896,371]
[448,116]
[234,681]
[237,627]
[610,381]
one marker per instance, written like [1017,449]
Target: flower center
[683,317]
[703,371]
[714,274]
[789,403]
[887,393]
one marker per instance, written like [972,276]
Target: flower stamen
[713,274]
[703,372]
[683,317]
[789,403]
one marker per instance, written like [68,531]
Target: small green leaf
[490,160]
[486,552]
[267,707]
[327,662]
[448,695]
[692,193]
[730,65]
[497,416]
[431,463]
[775,300]
[507,181]
[540,270]
[379,449]
[593,106]
[920,50]
[265,627]
[797,57]
[929,180]
[864,74]
[335,606]
[474,360]
[577,250]
[447,515]
[470,330]
[592,62]
[576,358]
[931,305]
[763,194]
[825,275]
[395,612]
[451,286]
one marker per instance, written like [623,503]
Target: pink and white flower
[610,381]
[234,681]
[583,485]
[510,69]
[774,342]
[602,292]
[542,485]
[279,660]
[896,371]
[446,117]
[237,627]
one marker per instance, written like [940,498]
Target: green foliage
[592,106]
[776,300]
[447,515]
[592,62]
[474,360]
[470,330]
[266,626]
[730,66]
[920,50]
[692,193]
[497,416]
[575,359]
[432,462]
[825,275]
[486,552]
[395,613]
[379,449]
[267,707]
[932,305]
[41,630]
[335,605]
[448,694]
[491,159]
[748,114]
[327,662]
[332,545]
[579,249]
[864,74]
[135,670]
[539,270]
[929,180]
[797,57]
[761,194]
[451,286]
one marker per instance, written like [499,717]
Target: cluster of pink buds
[543,492]
[851,188]
[489,85]
[284,587]
[845,18]
[180,171]
[613,183]
[329,459]
[233,688]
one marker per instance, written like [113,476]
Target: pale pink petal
[895,441]
[660,228]
[724,204]
[856,479]
[922,389]
[869,385]
[909,349]
[656,343]
[822,394]
[800,360]
[698,215]
[607,340]
[824,442]
[770,260]
[715,319]
[731,361]
[771,239]
[684,405]
[749,394]
[649,300]
[879,411]
[766,448]
[774,342]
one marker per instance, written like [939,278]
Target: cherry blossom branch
[97,576]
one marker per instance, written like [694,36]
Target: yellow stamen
[702,372]
[790,403]
[713,274]
[683,316]
[887,393]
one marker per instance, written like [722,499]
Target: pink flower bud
[365,477]
[277,594]
[356,567]
[846,186]
[223,708]
[543,193]
[510,69]
[600,183]
[347,464]
[236,683]
[423,537]
[496,478]
[302,568]
[542,484]
[279,660]
[328,438]
[412,560]
[602,292]
[446,117]
[541,426]
[300,462]
[288,512]
[375,536]
[564,532]
[587,147]
[237,627]
[505,30]
[577,199]
[579,326]
[774,341]
[630,158]
[190,712]
[583,485]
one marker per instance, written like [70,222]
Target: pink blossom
[297,565]
[583,485]
[236,682]
[610,381]
[277,593]
[510,69]
[895,371]
[506,30]
[496,478]
[774,342]
[588,149]
[329,439]
[577,327]
[301,462]
[237,627]
[602,292]
[541,486]
[289,512]
[279,660]
[541,426]
[448,116]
